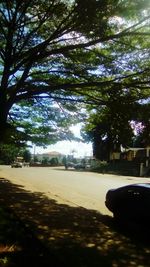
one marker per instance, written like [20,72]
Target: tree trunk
[100,149]
[4,126]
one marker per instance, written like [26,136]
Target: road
[75,188]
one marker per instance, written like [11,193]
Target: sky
[78,149]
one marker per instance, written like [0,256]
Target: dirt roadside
[59,235]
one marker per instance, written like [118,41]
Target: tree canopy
[68,52]
[119,124]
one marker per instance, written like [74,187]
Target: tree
[27,155]
[9,152]
[54,161]
[142,126]
[124,121]
[63,51]
[44,124]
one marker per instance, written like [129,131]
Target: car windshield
[143,185]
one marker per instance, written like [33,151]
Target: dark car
[69,165]
[79,166]
[130,202]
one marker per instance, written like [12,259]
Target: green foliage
[9,152]
[109,127]
[26,155]
[35,159]
[45,161]
[44,122]
[67,52]
[54,162]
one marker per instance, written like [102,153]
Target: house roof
[52,153]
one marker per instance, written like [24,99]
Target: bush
[54,162]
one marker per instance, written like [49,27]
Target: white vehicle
[17,163]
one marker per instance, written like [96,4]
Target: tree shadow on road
[66,236]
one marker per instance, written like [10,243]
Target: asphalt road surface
[71,187]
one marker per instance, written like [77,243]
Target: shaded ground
[37,231]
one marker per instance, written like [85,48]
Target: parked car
[16,164]
[69,165]
[79,166]
[130,202]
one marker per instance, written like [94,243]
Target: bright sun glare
[78,149]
